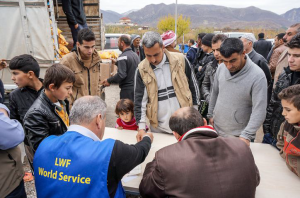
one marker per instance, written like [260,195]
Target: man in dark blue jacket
[191,53]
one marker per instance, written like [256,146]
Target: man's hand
[113,61]
[211,121]
[76,26]
[245,140]
[105,83]
[148,134]
[3,64]
[3,111]
[140,135]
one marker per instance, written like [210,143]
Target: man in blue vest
[79,164]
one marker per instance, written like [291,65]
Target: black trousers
[127,94]
[19,192]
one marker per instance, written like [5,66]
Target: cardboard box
[105,71]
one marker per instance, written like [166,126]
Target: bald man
[127,64]
[201,163]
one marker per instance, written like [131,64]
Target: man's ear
[177,136]
[51,87]
[31,74]
[78,44]
[99,120]
[204,122]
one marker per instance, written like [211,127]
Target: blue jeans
[75,32]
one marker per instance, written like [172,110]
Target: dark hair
[201,35]
[261,35]
[58,74]
[231,46]
[296,25]
[294,42]
[192,41]
[218,37]
[126,39]
[187,120]
[280,36]
[85,34]
[25,63]
[292,95]
[124,105]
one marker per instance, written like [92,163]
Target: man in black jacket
[289,77]
[258,59]
[100,164]
[49,113]
[25,72]
[76,18]
[262,46]
[127,64]
[135,46]
[200,54]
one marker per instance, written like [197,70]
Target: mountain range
[209,16]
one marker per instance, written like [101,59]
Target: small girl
[126,120]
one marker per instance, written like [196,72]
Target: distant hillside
[110,16]
[209,16]
[292,15]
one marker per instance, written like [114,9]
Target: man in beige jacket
[85,63]
[279,48]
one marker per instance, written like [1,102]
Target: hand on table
[141,133]
[105,83]
[245,140]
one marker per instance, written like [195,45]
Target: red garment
[127,125]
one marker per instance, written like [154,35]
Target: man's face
[189,44]
[292,31]
[206,49]
[247,44]
[294,59]
[276,41]
[235,62]
[199,42]
[63,92]
[120,44]
[216,50]
[86,48]
[136,42]
[290,112]
[20,78]
[154,54]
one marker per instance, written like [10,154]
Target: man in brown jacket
[11,169]
[200,164]
[279,48]
[85,63]
[283,59]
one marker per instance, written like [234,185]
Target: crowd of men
[236,85]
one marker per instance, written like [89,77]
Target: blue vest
[73,165]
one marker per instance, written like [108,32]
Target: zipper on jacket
[89,81]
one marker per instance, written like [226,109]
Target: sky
[276,6]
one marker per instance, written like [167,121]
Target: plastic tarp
[13,36]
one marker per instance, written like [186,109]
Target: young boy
[289,134]
[49,113]
[25,72]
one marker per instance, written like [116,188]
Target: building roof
[125,18]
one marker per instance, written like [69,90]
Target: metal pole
[176,19]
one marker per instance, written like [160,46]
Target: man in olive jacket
[214,166]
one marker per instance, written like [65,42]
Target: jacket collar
[95,57]
[29,88]
[207,131]
[51,105]
[244,70]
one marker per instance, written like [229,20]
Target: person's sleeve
[273,61]
[11,132]
[67,8]
[13,108]
[257,176]
[122,71]
[152,184]
[193,84]
[36,127]
[205,88]
[214,94]
[265,68]
[140,100]
[280,139]
[259,105]
[125,157]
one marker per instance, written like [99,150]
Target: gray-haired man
[164,82]
[79,164]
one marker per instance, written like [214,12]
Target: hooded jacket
[202,163]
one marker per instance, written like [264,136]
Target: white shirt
[83,131]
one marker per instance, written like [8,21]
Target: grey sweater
[238,103]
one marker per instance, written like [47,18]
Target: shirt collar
[83,131]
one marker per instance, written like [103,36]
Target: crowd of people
[213,100]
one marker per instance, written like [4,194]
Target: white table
[276,180]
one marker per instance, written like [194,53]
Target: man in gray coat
[239,97]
